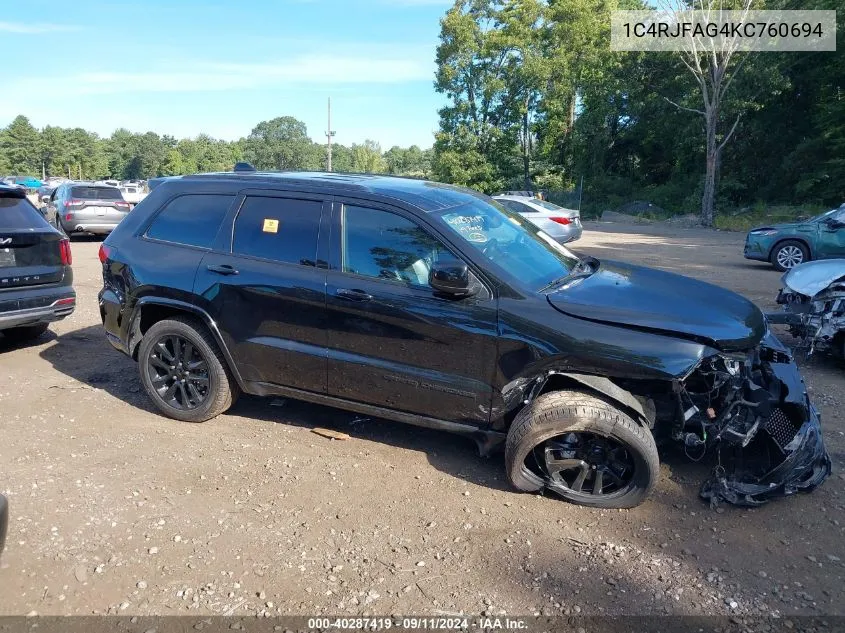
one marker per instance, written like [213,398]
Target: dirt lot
[116,509]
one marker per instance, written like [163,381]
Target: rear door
[32,253]
[265,288]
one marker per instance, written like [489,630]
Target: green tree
[367,158]
[20,144]
[411,161]
[280,144]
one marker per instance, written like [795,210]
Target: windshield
[510,242]
[824,215]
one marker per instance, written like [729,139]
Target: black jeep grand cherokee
[433,305]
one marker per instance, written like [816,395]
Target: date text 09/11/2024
[419,623]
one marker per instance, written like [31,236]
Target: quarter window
[387,246]
[193,220]
[281,229]
[513,205]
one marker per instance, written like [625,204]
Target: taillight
[123,204]
[68,217]
[73,203]
[104,253]
[64,252]
[561,220]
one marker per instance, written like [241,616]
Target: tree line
[279,144]
[536,99]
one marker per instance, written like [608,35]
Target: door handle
[222,269]
[353,295]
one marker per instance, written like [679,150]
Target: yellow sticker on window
[270,226]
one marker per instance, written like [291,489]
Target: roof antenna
[243,167]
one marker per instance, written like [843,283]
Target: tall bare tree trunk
[708,199]
[526,149]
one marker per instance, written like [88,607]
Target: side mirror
[453,277]
[45,198]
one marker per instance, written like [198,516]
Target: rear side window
[281,229]
[96,193]
[16,213]
[192,220]
[513,205]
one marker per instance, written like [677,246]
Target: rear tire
[211,382]
[25,333]
[575,427]
[789,254]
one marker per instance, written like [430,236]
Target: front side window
[192,220]
[280,229]
[385,245]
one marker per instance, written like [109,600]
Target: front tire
[184,372]
[582,448]
[789,254]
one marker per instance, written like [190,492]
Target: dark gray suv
[86,208]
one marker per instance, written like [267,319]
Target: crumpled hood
[811,278]
[646,298]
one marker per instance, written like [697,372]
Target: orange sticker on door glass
[270,226]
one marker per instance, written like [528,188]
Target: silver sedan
[564,225]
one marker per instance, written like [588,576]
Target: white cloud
[215,76]
[23,28]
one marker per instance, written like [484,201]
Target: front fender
[524,390]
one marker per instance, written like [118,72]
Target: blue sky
[182,67]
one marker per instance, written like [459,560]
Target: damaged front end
[813,300]
[753,409]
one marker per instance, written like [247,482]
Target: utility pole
[329,135]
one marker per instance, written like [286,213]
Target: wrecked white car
[813,300]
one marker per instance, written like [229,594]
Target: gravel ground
[115,509]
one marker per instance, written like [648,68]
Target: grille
[781,428]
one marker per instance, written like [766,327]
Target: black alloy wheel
[583,463]
[178,372]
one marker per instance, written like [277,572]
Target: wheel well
[556,382]
[152,314]
[792,239]
[636,406]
